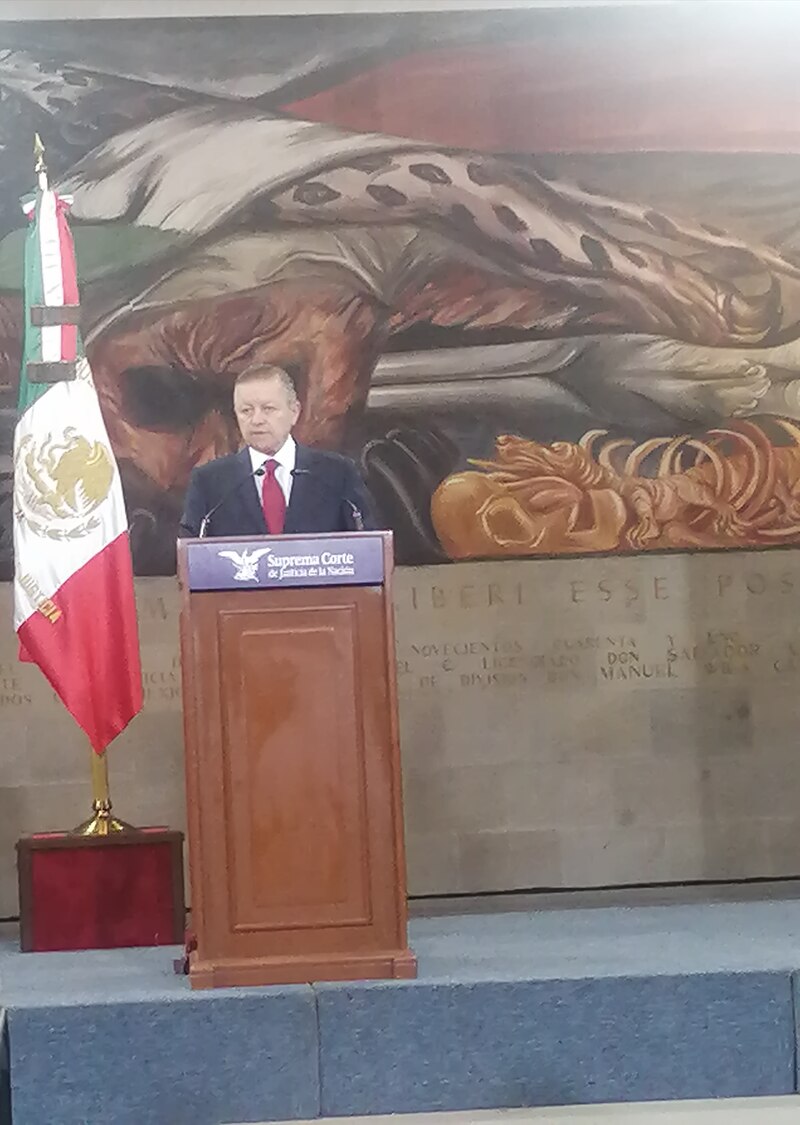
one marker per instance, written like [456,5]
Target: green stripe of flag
[34,295]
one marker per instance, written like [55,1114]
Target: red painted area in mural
[666,87]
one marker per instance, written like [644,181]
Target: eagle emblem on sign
[246,563]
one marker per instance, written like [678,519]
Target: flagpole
[40,168]
[101,823]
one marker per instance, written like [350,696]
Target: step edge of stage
[672,1112]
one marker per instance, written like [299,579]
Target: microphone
[204,522]
[355,512]
[358,518]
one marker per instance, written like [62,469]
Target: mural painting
[539,331]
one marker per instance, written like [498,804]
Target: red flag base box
[100,892]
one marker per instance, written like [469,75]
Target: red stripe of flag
[85,657]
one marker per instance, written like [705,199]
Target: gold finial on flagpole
[40,168]
[102,823]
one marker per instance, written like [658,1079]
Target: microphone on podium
[355,512]
[204,522]
[358,519]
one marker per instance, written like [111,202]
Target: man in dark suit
[273,485]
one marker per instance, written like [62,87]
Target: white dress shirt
[283,474]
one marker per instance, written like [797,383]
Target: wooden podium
[295,821]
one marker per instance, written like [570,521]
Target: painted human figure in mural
[462,320]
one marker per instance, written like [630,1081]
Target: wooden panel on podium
[292,762]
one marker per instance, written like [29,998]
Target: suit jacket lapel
[248,493]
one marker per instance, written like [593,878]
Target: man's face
[266,412]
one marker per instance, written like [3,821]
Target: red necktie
[273,501]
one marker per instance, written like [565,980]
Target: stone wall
[564,724]
[601,721]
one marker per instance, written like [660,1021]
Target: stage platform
[558,1007]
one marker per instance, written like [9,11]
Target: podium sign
[230,564]
[295,826]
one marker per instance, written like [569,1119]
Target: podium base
[400,965]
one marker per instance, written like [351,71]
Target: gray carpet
[551,945]
[556,1007]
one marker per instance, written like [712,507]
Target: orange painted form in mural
[739,490]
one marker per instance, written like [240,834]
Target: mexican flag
[75,613]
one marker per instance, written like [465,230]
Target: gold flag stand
[102,823]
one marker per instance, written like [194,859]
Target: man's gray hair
[267,371]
